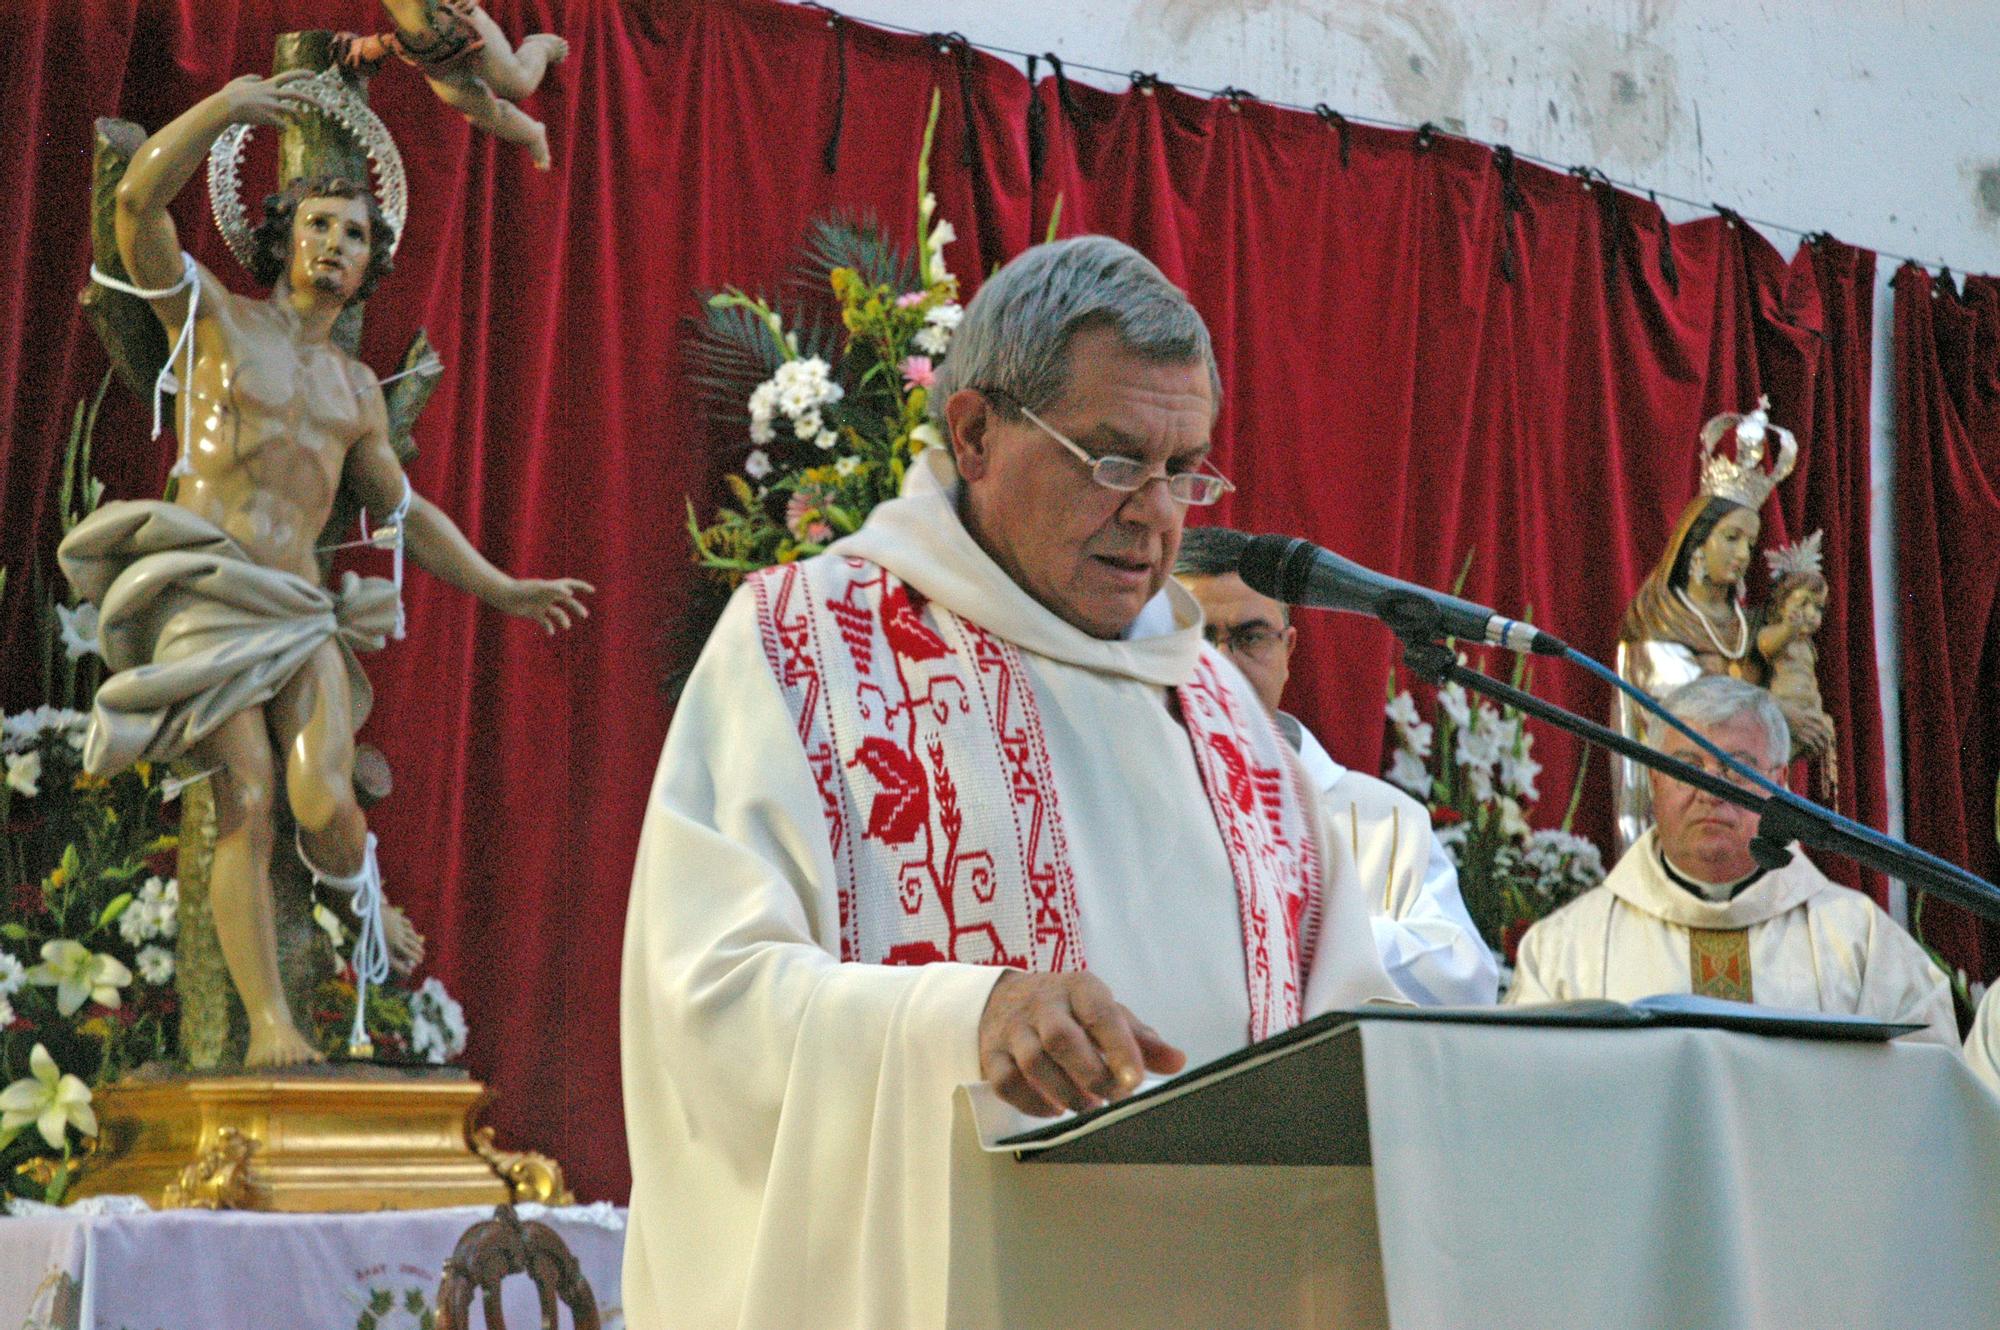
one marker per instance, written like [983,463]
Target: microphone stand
[1781,818]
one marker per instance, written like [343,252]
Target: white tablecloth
[1680,1178]
[226,1270]
[1539,1179]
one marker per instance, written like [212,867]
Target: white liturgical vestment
[788,1110]
[1428,942]
[1804,941]
[1982,1044]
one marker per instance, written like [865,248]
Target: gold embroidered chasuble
[1794,938]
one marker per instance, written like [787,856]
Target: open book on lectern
[1299,1098]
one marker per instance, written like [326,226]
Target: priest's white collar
[919,538]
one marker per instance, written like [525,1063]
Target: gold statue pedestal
[308,1139]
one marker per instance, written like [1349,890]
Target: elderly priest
[965,798]
[1687,910]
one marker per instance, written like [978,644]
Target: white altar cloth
[236,1270]
[1648,1179]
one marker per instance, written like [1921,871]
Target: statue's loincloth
[193,631]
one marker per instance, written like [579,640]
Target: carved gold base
[347,1138]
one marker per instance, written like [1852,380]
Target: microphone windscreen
[1263,567]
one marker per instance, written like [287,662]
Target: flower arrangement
[831,418]
[86,945]
[90,918]
[1475,770]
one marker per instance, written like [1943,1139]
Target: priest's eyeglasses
[1131,474]
[1245,639]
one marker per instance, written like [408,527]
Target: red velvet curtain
[1431,351]
[1427,351]
[1948,521]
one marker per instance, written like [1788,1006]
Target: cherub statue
[1688,618]
[1791,618]
[466,59]
[224,644]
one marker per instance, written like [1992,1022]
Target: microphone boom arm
[1782,818]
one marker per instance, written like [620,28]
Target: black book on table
[1299,1097]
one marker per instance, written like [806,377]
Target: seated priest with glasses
[1688,910]
[1428,942]
[964,798]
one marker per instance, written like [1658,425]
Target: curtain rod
[1629,186]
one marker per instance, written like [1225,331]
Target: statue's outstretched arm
[147,241]
[436,545]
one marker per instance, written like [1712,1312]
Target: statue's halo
[329,92]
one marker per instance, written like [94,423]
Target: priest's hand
[1048,1042]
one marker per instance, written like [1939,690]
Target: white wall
[1875,120]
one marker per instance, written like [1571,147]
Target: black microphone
[1298,572]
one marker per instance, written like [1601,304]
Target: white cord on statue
[392,531]
[371,947]
[166,381]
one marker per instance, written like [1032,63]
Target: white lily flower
[926,436]
[847,466]
[54,1102]
[78,973]
[13,974]
[941,235]
[24,772]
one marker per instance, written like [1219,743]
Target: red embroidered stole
[926,743]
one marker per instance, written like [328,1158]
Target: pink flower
[910,299]
[918,372]
[802,517]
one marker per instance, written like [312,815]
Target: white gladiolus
[1451,701]
[1407,773]
[1402,709]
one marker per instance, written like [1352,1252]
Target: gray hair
[1210,551]
[1015,337]
[1716,699]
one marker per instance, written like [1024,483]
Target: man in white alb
[1687,910]
[1428,942]
[1982,1042]
[964,798]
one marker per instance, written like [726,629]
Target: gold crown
[1743,479]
